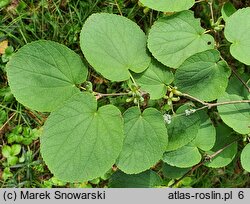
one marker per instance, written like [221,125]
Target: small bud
[146,10]
[135,101]
[175,99]
[171,94]
[128,100]
[170,102]
[178,93]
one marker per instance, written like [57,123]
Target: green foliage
[183,157]
[182,130]
[172,39]
[227,10]
[108,36]
[23,135]
[173,172]
[168,5]
[231,114]
[224,139]
[245,158]
[11,152]
[206,136]
[240,47]
[52,70]
[78,136]
[147,179]
[155,80]
[145,140]
[203,75]
[120,113]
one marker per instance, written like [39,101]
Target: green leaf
[79,142]
[44,74]
[182,130]
[172,39]
[224,137]
[227,10]
[240,48]
[231,114]
[173,171]
[113,45]
[6,173]
[168,5]
[206,136]
[203,76]
[15,149]
[245,158]
[6,151]
[155,79]
[184,157]
[147,179]
[12,160]
[145,140]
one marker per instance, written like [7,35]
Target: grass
[61,20]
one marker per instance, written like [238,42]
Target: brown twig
[211,105]
[205,160]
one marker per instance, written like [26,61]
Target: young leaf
[182,130]
[184,157]
[227,10]
[240,48]
[113,45]
[168,5]
[224,136]
[79,142]
[44,74]
[15,149]
[6,151]
[155,79]
[173,171]
[245,158]
[172,39]
[147,179]
[145,140]
[236,116]
[203,75]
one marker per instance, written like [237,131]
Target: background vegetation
[22,22]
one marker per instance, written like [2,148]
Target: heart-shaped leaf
[79,142]
[145,140]
[44,74]
[203,75]
[240,48]
[172,39]
[155,79]
[113,45]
